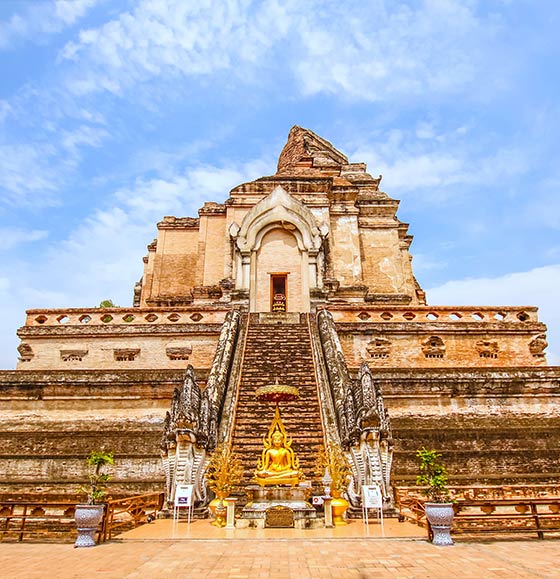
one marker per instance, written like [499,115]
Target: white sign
[318,501]
[372,498]
[183,498]
[183,495]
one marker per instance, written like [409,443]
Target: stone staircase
[277,351]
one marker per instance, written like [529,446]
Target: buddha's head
[277,439]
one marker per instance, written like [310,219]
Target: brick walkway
[282,559]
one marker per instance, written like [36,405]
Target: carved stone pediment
[538,345]
[433,347]
[178,351]
[26,353]
[73,355]
[278,208]
[126,354]
[379,347]
[487,348]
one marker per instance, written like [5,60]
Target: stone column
[327,506]
[230,520]
[245,270]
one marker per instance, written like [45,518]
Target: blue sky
[116,113]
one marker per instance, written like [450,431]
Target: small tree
[107,304]
[334,459]
[96,490]
[433,476]
[224,470]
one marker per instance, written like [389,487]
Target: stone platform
[261,499]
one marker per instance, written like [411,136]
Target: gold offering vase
[218,509]
[339,506]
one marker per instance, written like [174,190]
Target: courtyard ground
[162,550]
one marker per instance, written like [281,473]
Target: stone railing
[347,313]
[37,520]
[124,514]
[356,313]
[486,492]
[490,509]
[125,316]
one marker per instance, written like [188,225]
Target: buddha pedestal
[261,499]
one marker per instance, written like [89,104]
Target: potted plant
[333,461]
[89,515]
[224,472]
[438,507]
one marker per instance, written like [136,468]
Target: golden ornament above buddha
[278,464]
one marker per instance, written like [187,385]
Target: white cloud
[84,135]
[14,236]
[70,11]
[537,287]
[41,19]
[5,110]
[28,172]
[173,38]
[373,51]
[101,258]
[33,172]
[436,162]
[377,51]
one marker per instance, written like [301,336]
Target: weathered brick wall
[149,352]
[175,261]
[148,274]
[214,246]
[50,421]
[494,426]
[120,338]
[461,349]
[386,268]
[345,246]
[440,337]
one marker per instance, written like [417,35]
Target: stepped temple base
[263,501]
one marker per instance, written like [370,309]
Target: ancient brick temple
[304,277]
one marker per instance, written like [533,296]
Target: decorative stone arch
[279,210]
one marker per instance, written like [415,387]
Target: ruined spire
[304,149]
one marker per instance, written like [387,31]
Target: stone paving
[288,557]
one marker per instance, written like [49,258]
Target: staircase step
[280,352]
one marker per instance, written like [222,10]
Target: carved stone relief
[379,347]
[487,348]
[538,345]
[126,354]
[433,347]
[26,353]
[178,352]
[73,355]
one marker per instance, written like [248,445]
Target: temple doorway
[279,292]
[277,264]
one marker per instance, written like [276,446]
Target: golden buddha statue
[278,464]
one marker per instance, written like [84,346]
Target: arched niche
[278,216]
